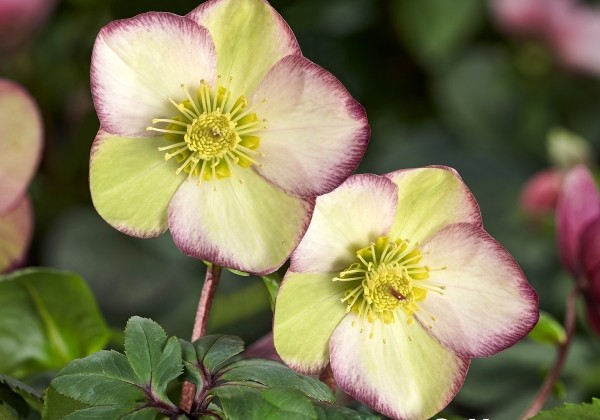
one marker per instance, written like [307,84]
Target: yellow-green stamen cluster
[213,135]
[386,277]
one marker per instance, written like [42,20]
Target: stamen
[162,149]
[162,130]
[190,99]
[158,120]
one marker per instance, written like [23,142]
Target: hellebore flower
[215,126]
[539,195]
[20,147]
[397,286]
[578,236]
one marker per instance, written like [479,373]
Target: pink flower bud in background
[19,18]
[578,236]
[539,195]
[574,37]
[527,17]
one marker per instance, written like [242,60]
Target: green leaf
[272,283]
[272,374]
[435,30]
[155,360]
[214,350]
[47,318]
[278,403]
[100,379]
[548,330]
[7,412]
[584,411]
[18,394]
[58,406]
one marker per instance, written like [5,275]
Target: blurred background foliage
[441,85]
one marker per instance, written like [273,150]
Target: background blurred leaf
[19,396]
[47,318]
[436,30]
[548,330]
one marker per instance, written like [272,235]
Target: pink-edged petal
[590,253]
[132,184]
[20,142]
[429,199]
[249,36]
[345,220]
[487,304]
[16,227]
[540,193]
[307,311]
[410,376]
[578,204]
[252,227]
[316,132]
[139,63]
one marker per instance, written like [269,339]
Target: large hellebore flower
[578,236]
[20,146]
[397,286]
[215,126]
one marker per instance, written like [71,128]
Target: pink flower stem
[546,389]
[213,273]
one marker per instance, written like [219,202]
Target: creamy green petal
[132,184]
[429,199]
[307,311]
[249,36]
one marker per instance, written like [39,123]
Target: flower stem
[213,273]
[546,389]
[327,378]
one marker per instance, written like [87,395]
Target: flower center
[387,280]
[212,136]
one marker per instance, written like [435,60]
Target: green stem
[213,273]
[546,389]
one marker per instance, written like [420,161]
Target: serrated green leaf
[272,283]
[548,331]
[215,350]
[100,379]
[58,406]
[272,374]
[47,318]
[327,411]
[155,360]
[102,412]
[29,396]
[289,404]
[584,411]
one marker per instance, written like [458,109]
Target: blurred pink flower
[19,18]
[20,146]
[539,195]
[578,235]
[569,28]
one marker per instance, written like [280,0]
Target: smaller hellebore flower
[397,286]
[215,126]
[578,236]
[20,146]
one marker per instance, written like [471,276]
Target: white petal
[345,220]
[316,132]
[139,63]
[487,305]
[410,376]
[252,227]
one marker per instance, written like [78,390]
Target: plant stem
[213,273]
[327,378]
[546,389]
